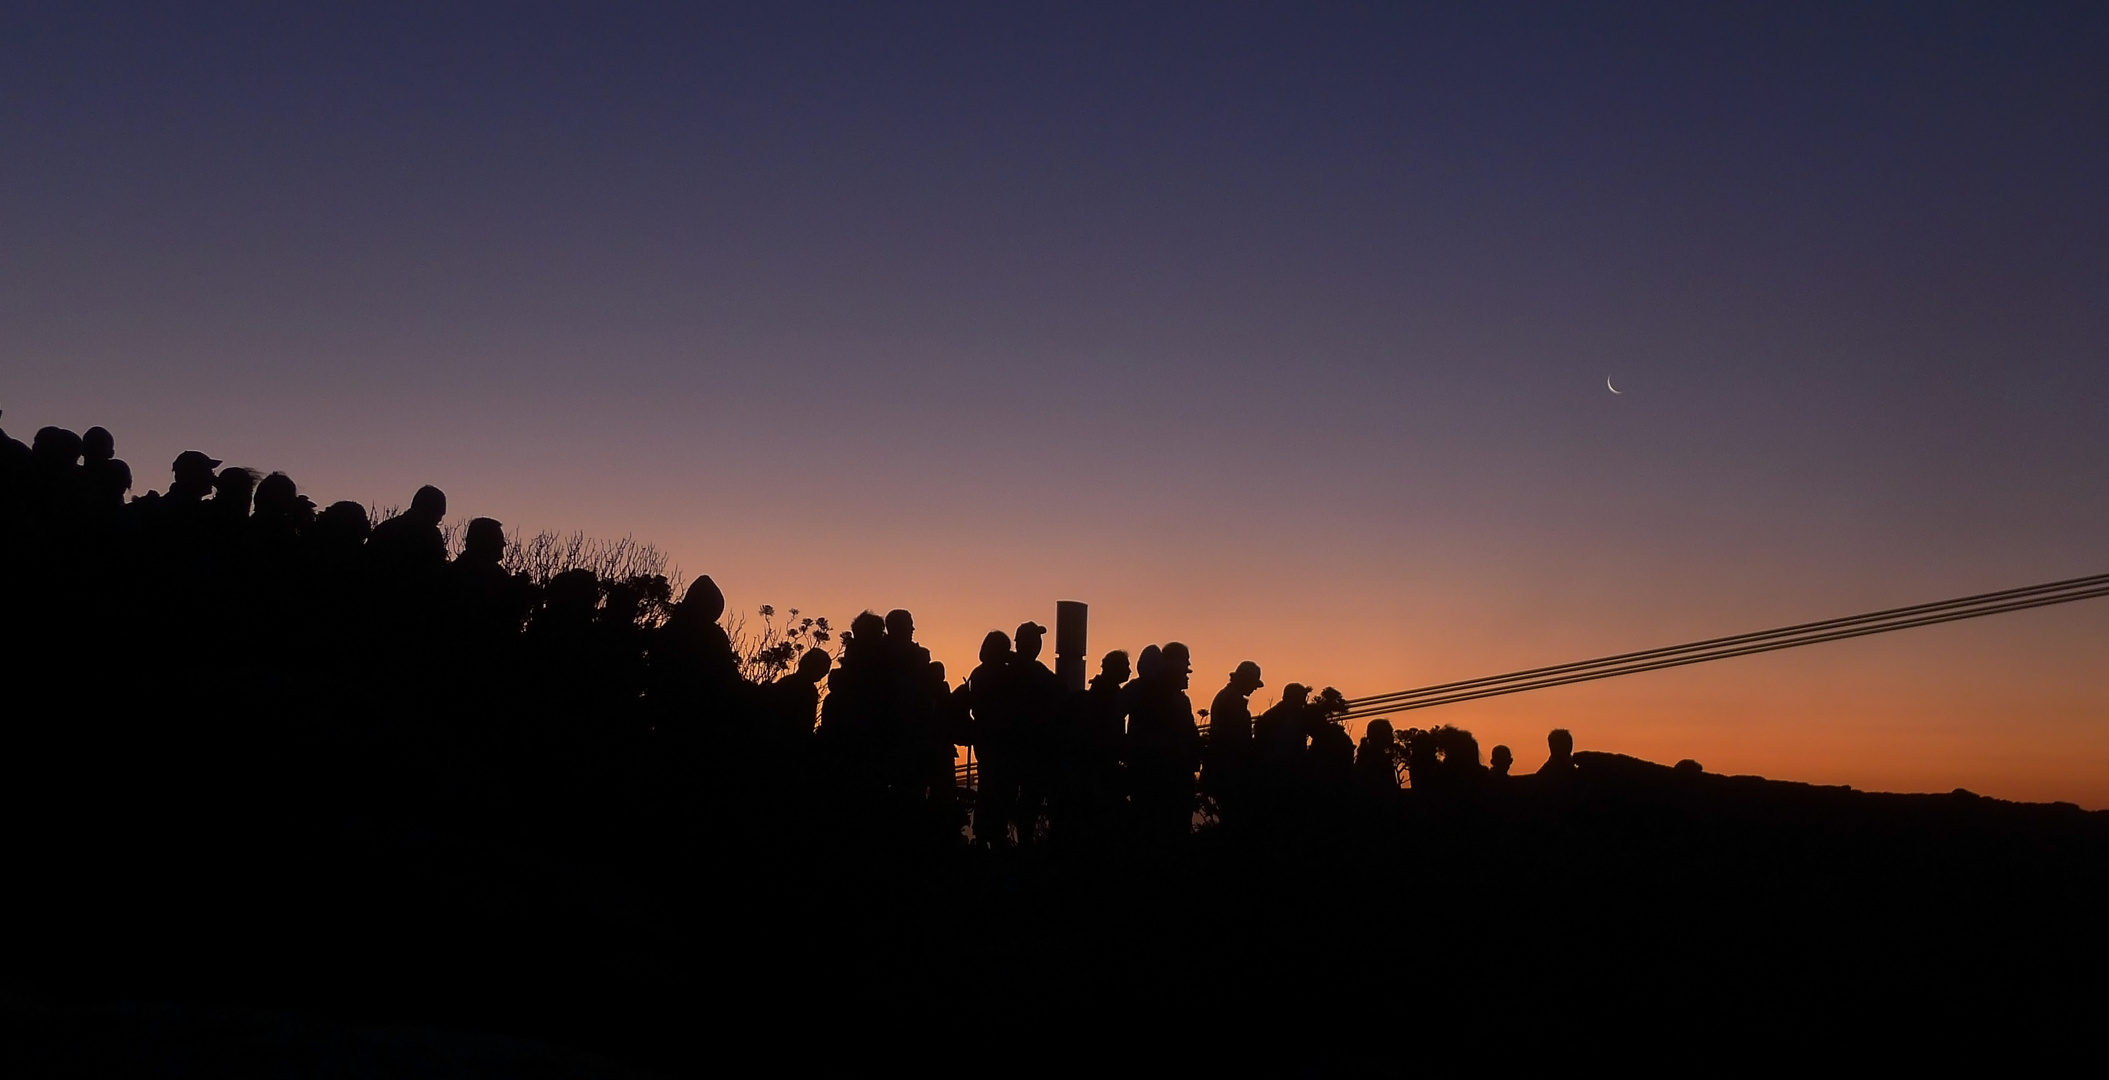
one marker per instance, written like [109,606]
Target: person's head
[1178,664]
[232,489]
[428,506]
[620,602]
[995,647]
[344,521]
[900,626]
[277,494]
[867,630]
[813,665]
[193,469]
[1460,749]
[1150,664]
[1115,666]
[1500,760]
[1378,733]
[98,444]
[1296,693]
[703,601]
[56,447]
[1246,678]
[483,540]
[573,594]
[1029,635]
[1560,743]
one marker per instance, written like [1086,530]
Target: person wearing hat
[194,476]
[173,516]
[693,662]
[1229,739]
[1038,697]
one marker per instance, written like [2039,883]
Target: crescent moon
[1608,386]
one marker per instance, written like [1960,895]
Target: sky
[1281,330]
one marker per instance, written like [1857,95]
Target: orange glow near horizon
[2008,706]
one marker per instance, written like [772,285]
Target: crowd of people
[314,757]
[240,578]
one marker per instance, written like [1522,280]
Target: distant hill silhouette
[285,785]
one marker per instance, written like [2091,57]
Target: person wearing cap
[1037,695]
[1229,739]
[172,517]
[194,476]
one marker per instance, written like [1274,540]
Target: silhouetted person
[1460,755]
[693,664]
[1107,723]
[173,519]
[1228,753]
[568,672]
[918,697]
[793,701]
[900,640]
[1164,748]
[1377,759]
[1279,736]
[995,732]
[1424,761]
[193,476]
[1559,765]
[1149,664]
[107,477]
[1500,760]
[486,605]
[1038,694]
[340,529]
[410,544]
[332,556]
[862,729]
[1101,737]
[233,492]
[1332,749]
[922,730]
[280,516]
[57,486]
[227,512]
[621,638]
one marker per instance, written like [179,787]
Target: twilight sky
[1282,331]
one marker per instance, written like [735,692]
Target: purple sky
[1282,330]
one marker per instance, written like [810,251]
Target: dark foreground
[318,897]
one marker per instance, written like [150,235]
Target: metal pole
[1071,617]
